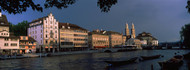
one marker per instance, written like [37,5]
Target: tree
[19,6]
[185,35]
[188,6]
[19,29]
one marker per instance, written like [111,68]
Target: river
[91,61]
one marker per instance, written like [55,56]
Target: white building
[45,31]
[147,39]
[8,42]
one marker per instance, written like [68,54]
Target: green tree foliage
[19,6]
[19,29]
[185,35]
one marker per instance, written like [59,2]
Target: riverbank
[34,55]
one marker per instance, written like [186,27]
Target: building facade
[98,39]
[72,37]
[45,31]
[147,39]
[27,45]
[8,42]
[115,39]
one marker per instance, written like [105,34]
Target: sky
[162,18]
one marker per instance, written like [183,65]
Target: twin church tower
[132,31]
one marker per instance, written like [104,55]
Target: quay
[34,55]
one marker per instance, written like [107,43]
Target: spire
[133,31]
[133,27]
[126,29]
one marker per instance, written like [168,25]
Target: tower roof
[3,20]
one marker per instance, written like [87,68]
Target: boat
[150,57]
[186,56]
[119,63]
[173,63]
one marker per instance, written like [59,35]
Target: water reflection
[93,61]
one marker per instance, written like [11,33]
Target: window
[46,36]
[41,31]
[55,42]
[35,32]
[24,38]
[6,44]
[13,44]
[55,27]
[41,41]
[13,39]
[6,39]
[55,31]
[46,41]
[41,36]
[1,33]
[35,37]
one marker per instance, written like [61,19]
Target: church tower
[127,30]
[133,31]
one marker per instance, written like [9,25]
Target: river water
[91,61]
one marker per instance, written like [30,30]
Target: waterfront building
[45,31]
[115,39]
[98,39]
[124,40]
[72,37]
[27,45]
[134,43]
[8,42]
[147,39]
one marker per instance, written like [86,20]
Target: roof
[144,34]
[95,32]
[3,20]
[112,32]
[30,39]
[36,20]
[72,26]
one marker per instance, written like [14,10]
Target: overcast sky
[162,18]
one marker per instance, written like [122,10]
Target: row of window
[66,43]
[78,31]
[100,42]
[12,44]
[77,44]
[67,39]
[13,39]
[80,35]
[4,34]
[24,46]
[80,40]
[50,42]
[96,38]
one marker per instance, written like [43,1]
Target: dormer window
[2,23]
